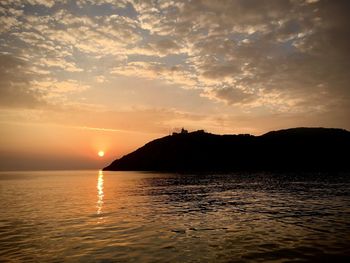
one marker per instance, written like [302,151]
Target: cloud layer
[241,56]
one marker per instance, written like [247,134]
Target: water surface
[94,216]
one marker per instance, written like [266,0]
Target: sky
[78,77]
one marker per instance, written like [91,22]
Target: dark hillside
[298,149]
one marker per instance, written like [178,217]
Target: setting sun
[101,153]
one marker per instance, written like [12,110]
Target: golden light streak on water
[100,193]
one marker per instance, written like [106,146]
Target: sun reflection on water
[100,192]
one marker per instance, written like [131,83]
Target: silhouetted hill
[297,149]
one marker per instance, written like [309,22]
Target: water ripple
[89,216]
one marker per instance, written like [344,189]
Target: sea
[98,216]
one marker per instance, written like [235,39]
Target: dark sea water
[92,216]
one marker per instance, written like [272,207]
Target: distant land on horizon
[295,149]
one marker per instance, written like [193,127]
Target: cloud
[7,22]
[24,86]
[112,3]
[230,95]
[55,88]
[91,35]
[21,3]
[46,3]
[59,63]
[163,47]
[15,80]
[156,70]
